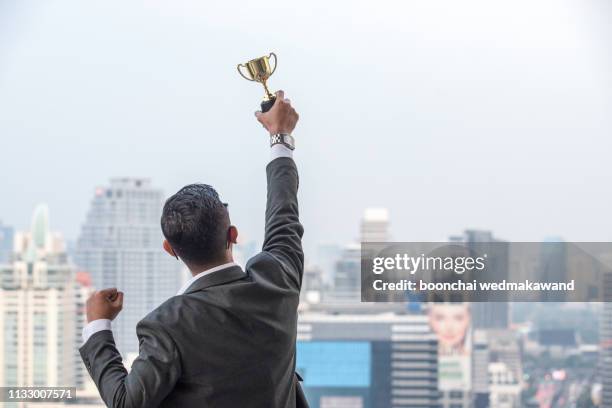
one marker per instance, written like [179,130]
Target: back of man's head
[195,223]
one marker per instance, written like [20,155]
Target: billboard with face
[451,322]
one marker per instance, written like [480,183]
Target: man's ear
[169,249]
[232,234]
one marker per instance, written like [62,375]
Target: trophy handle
[275,62]
[244,76]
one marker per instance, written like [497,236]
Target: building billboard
[451,323]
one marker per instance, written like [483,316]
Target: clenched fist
[104,304]
[281,118]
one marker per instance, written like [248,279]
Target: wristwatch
[283,138]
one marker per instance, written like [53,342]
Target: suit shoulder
[268,267]
[167,314]
[263,258]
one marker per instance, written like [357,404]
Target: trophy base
[267,104]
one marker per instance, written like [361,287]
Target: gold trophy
[259,70]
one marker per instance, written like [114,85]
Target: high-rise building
[605,340]
[367,360]
[480,369]
[489,315]
[375,225]
[347,270]
[505,388]
[41,311]
[347,274]
[497,368]
[553,267]
[312,285]
[327,256]
[6,242]
[120,246]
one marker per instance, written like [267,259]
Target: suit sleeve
[283,232]
[153,375]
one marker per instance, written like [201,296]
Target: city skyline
[314,257]
[325,383]
[42,298]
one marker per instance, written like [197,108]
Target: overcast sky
[453,114]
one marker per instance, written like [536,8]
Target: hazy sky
[452,114]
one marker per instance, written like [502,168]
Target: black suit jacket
[229,340]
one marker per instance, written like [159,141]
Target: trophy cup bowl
[259,70]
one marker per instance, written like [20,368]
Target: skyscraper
[375,225]
[505,388]
[6,242]
[120,246]
[480,369]
[605,339]
[347,274]
[489,315]
[497,368]
[326,257]
[41,311]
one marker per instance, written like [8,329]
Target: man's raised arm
[283,234]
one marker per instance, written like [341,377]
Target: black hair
[195,223]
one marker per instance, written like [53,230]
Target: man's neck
[202,268]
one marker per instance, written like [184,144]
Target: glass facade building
[367,361]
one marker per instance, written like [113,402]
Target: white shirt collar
[204,273]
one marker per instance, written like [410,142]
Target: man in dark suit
[228,338]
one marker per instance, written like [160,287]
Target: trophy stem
[269,99]
[268,93]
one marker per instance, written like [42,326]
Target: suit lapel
[217,278]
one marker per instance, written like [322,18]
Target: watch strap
[284,139]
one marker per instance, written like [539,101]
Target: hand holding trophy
[259,70]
